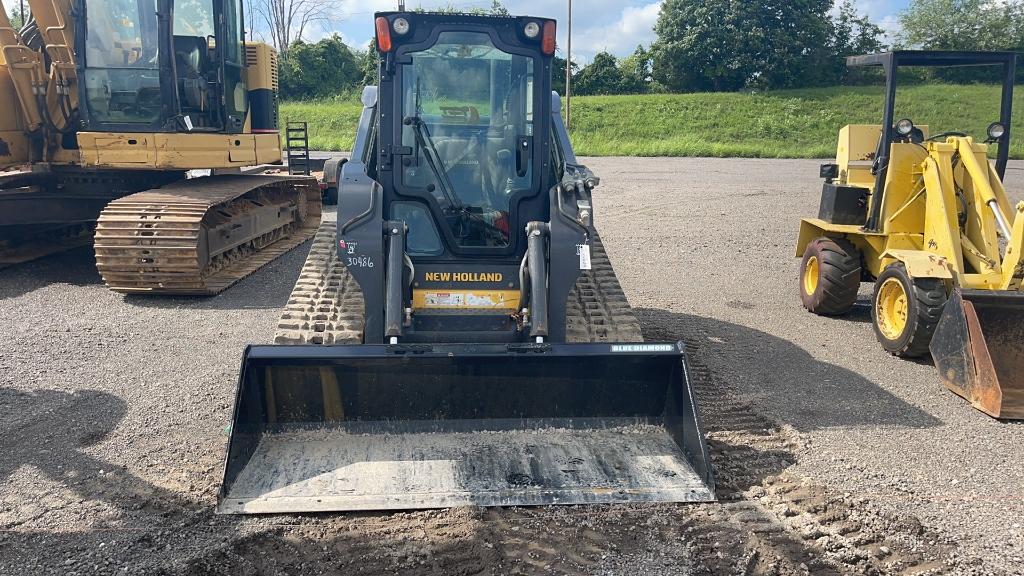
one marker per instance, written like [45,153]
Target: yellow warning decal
[470,299]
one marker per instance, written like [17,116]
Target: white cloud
[634,26]
[884,14]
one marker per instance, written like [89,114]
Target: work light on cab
[904,127]
[401,26]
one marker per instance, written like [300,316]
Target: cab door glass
[195,60]
[122,68]
[235,90]
[467,111]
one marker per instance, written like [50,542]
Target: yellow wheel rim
[891,308]
[810,280]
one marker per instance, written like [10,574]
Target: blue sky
[613,25]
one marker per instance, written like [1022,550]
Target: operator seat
[191,61]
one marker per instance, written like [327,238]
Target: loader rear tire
[905,311]
[830,275]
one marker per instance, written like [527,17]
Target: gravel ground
[832,456]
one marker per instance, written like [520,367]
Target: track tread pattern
[152,242]
[597,309]
[326,305]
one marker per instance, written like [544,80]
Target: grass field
[781,124]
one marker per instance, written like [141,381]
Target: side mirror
[829,172]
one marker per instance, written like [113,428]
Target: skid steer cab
[498,362]
[924,215]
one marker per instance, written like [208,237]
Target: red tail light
[547,43]
[383,34]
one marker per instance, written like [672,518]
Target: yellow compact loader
[925,217]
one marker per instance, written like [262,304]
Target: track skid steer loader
[461,338]
[927,219]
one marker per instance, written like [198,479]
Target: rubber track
[597,309]
[151,242]
[326,305]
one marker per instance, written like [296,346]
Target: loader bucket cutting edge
[977,348]
[378,427]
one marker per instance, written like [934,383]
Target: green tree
[725,45]
[323,69]
[852,34]
[498,9]
[602,76]
[558,74]
[963,25]
[636,72]
[17,19]
[369,63]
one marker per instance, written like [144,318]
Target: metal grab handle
[394,304]
[537,265]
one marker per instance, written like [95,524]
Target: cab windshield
[468,118]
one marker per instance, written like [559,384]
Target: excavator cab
[463,339]
[163,66]
[925,216]
[114,102]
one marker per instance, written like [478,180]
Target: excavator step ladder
[297,144]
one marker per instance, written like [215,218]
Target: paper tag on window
[584,250]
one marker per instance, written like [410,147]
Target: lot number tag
[584,252]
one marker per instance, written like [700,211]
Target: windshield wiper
[422,135]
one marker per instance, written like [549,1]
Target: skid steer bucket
[378,427]
[978,348]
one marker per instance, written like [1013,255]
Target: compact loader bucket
[978,348]
[377,427]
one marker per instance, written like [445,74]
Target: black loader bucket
[978,348]
[378,427]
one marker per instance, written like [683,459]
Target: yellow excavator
[113,106]
[926,218]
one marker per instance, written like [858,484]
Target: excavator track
[33,243]
[326,305]
[199,236]
[43,213]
